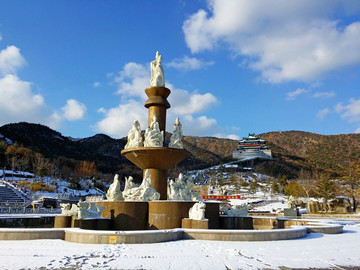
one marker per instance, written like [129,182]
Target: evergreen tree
[326,188]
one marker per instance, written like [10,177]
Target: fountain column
[158,160]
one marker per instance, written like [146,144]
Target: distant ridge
[293,151]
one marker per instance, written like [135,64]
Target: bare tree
[307,180]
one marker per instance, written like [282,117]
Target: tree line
[19,158]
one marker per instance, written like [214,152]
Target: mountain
[102,149]
[297,150]
[293,151]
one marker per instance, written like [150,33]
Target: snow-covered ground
[314,251]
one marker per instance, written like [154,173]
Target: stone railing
[23,210]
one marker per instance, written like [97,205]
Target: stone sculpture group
[145,192]
[81,210]
[236,210]
[153,137]
[182,190]
[178,189]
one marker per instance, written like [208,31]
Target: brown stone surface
[162,158]
[200,224]
[168,214]
[232,223]
[32,234]
[265,223]
[62,222]
[126,215]
[103,224]
[186,223]
[157,104]
[159,182]
[88,224]
[75,222]
[212,214]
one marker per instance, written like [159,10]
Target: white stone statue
[157,72]
[177,136]
[134,138]
[197,212]
[68,209]
[153,136]
[236,210]
[129,183]
[145,192]
[114,193]
[291,202]
[182,190]
[89,210]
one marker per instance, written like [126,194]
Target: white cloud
[10,60]
[324,95]
[19,103]
[133,80]
[198,126]
[73,110]
[294,94]
[322,113]
[96,84]
[189,63]
[284,40]
[118,121]
[184,102]
[231,136]
[357,130]
[350,111]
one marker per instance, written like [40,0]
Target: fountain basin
[161,158]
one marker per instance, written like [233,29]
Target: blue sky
[234,67]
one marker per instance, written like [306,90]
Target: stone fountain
[155,158]
[159,159]
[155,204]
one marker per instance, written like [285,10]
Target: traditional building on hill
[252,147]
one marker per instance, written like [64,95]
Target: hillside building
[252,147]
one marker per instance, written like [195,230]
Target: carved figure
[236,210]
[197,212]
[134,138]
[153,136]
[145,192]
[129,184]
[89,210]
[68,209]
[114,193]
[291,202]
[157,72]
[182,190]
[177,136]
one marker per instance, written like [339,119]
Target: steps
[8,194]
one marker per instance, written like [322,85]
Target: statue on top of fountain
[182,190]
[153,136]
[176,137]
[145,192]
[134,138]
[157,72]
